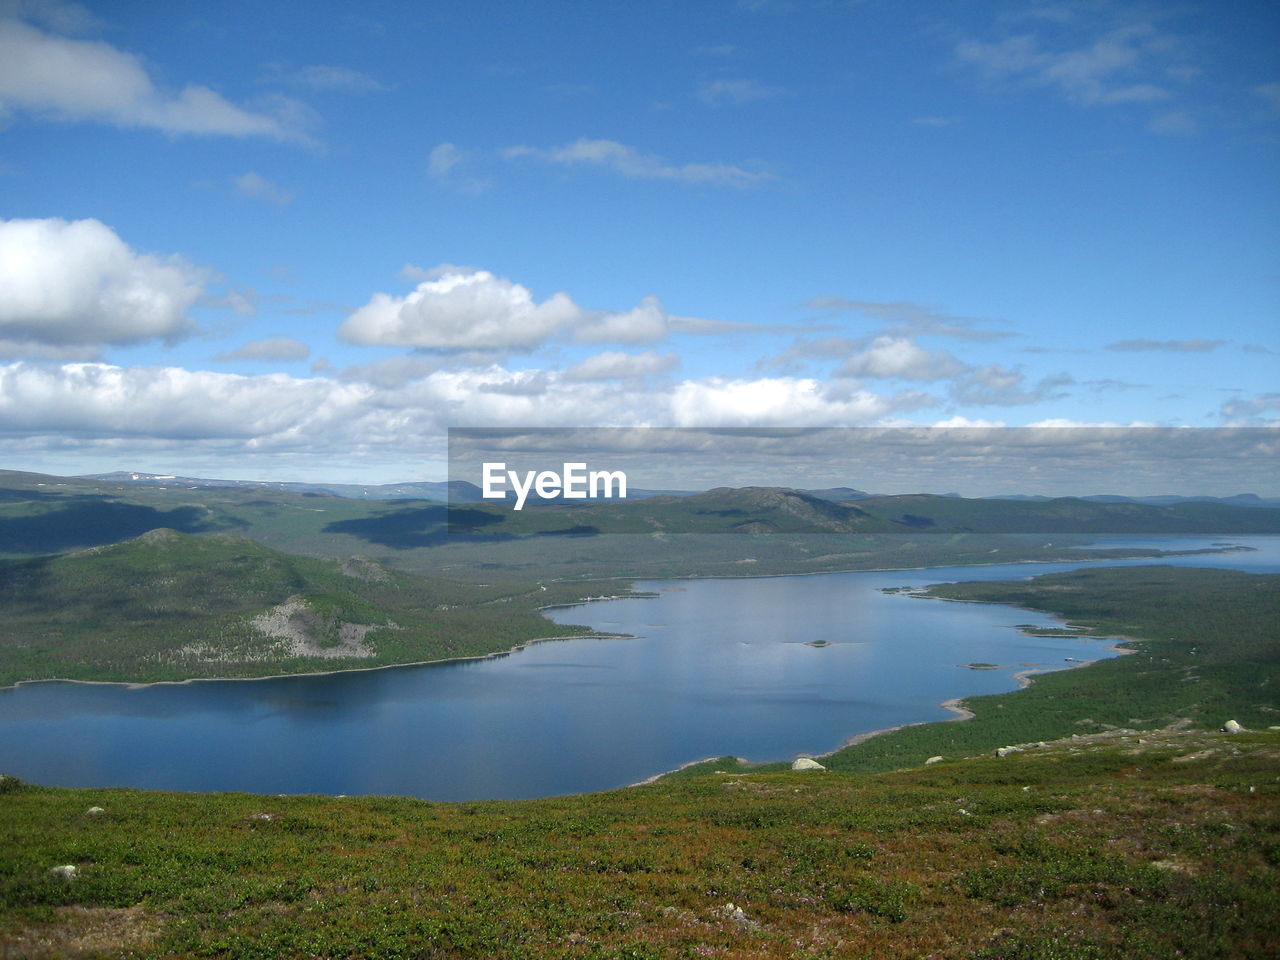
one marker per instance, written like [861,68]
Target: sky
[299,241]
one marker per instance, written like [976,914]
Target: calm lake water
[718,667]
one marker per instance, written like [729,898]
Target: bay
[715,667]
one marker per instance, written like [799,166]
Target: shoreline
[138,684]
[955,705]
[142,684]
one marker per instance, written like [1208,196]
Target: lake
[716,667]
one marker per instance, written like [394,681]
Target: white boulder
[94,811]
[1232,727]
[66,871]
[806,763]
[933,760]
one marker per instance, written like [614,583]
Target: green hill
[170,606]
[494,554]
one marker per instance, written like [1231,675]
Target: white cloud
[259,187]
[629,162]
[468,311]
[65,79]
[647,322]
[718,93]
[898,357]
[1062,423]
[65,283]
[613,365]
[374,416]
[782,401]
[273,348]
[94,399]
[958,422]
[461,308]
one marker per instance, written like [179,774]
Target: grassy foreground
[1111,845]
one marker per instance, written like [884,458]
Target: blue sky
[299,241]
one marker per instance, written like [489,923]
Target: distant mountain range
[462,491]
[782,510]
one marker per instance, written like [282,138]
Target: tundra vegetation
[1155,845]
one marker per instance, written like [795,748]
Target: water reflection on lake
[716,667]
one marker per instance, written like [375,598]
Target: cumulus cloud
[523,383]
[95,399]
[177,414]
[259,187]
[57,77]
[613,365]
[629,162]
[647,322]
[273,348]
[1167,346]
[782,401]
[899,357]
[67,283]
[460,308]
